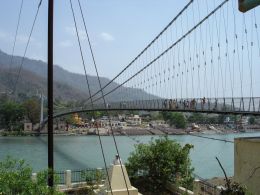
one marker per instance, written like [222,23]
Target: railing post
[253,104]
[68,178]
[259,106]
[34,177]
[196,186]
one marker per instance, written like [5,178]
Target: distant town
[154,123]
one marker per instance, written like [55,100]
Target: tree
[175,118]
[196,118]
[251,120]
[11,115]
[32,110]
[160,161]
[15,178]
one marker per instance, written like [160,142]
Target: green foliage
[235,189]
[175,118]
[196,118]
[93,176]
[251,120]
[69,119]
[15,178]
[205,118]
[32,110]
[11,115]
[157,116]
[159,162]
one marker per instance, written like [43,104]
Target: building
[247,163]
[242,122]
[106,123]
[135,120]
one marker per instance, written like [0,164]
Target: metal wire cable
[249,61]
[146,48]
[103,97]
[92,105]
[227,56]
[27,44]
[257,36]
[237,48]
[168,49]
[216,139]
[15,39]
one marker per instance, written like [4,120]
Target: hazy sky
[119,30]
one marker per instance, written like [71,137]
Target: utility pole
[50,93]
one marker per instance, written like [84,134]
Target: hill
[67,85]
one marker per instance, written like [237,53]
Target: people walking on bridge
[203,102]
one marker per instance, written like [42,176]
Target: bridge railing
[248,105]
[193,104]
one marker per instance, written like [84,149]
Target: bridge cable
[103,97]
[257,34]
[220,71]
[86,77]
[212,68]
[168,49]
[15,39]
[186,61]
[176,66]
[146,48]
[194,54]
[236,49]
[216,139]
[205,64]
[183,59]
[199,58]
[228,57]
[189,58]
[205,60]
[249,63]
[27,44]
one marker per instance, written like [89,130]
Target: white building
[134,120]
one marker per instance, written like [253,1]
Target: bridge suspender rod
[168,49]
[15,39]
[146,48]
[104,101]
[86,77]
[26,47]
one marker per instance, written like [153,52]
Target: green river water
[79,152]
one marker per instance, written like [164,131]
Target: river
[79,152]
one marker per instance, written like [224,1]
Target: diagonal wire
[169,48]
[146,48]
[102,93]
[15,39]
[86,77]
[27,44]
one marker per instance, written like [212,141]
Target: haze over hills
[67,85]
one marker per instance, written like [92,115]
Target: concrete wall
[247,163]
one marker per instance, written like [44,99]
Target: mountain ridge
[34,77]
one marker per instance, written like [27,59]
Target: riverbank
[138,131]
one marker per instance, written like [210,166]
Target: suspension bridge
[206,59]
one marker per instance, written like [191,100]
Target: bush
[176,119]
[159,162]
[15,178]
